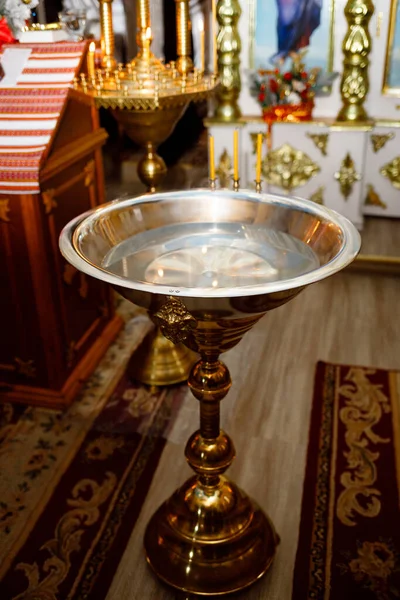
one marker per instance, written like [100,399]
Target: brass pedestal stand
[210,538]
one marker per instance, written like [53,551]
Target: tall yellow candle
[90,60]
[202,47]
[236,154]
[211,156]
[214,34]
[258,164]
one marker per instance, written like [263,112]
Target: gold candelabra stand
[146,96]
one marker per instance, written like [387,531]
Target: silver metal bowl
[224,251]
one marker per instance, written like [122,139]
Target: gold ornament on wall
[372,198]
[347,176]
[318,195]
[392,171]
[320,140]
[356,48]
[379,140]
[288,168]
[229,47]
[224,169]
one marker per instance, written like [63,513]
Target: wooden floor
[381,237]
[351,318]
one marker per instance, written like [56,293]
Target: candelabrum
[236,255]
[145,96]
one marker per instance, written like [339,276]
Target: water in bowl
[208,255]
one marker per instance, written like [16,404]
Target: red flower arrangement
[289,94]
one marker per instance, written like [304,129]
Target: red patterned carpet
[349,544]
[72,484]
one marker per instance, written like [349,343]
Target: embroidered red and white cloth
[30,110]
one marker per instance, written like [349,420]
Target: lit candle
[214,34]
[258,164]
[201,46]
[90,60]
[147,41]
[211,156]
[236,154]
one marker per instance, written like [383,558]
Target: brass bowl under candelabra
[148,105]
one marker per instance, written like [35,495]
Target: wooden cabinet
[55,322]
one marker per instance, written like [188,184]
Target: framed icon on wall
[281,27]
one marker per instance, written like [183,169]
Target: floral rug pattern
[349,543]
[68,480]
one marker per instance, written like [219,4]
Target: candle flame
[92,47]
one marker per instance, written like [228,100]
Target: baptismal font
[207,264]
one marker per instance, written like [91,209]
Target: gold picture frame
[394,21]
[252,4]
